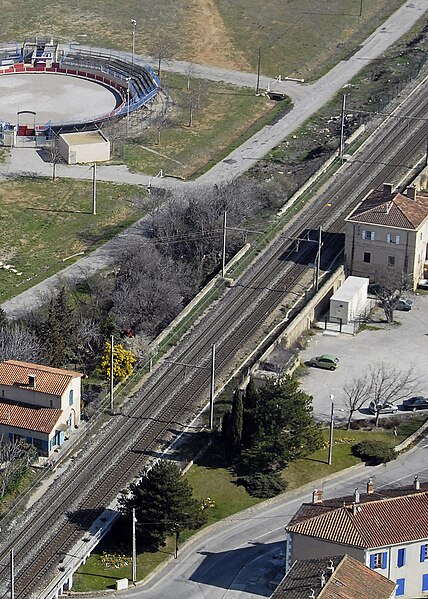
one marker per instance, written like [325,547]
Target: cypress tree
[235,427]
[250,425]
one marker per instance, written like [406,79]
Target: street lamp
[330,445]
[134,25]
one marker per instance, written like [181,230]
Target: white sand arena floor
[54,97]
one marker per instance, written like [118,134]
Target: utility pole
[54,169]
[111,371]
[342,129]
[94,189]
[134,25]
[212,389]
[134,548]
[258,71]
[223,255]
[318,261]
[426,155]
[330,446]
[361,8]
[12,575]
[177,535]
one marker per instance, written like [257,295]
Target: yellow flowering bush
[123,362]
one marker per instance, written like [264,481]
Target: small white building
[350,299]
[86,146]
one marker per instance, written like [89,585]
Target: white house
[386,530]
[38,403]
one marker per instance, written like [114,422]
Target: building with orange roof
[38,403]
[387,234]
[336,577]
[386,530]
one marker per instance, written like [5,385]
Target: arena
[47,88]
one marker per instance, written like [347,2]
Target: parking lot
[402,345]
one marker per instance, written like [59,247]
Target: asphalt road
[238,558]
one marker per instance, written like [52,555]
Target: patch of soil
[210,40]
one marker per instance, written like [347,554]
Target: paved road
[237,559]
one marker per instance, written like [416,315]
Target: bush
[374,452]
[264,485]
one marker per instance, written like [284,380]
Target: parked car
[325,361]
[416,403]
[387,408]
[404,304]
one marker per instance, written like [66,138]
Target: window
[393,238]
[401,558]
[401,582]
[425,582]
[70,398]
[367,257]
[424,553]
[368,235]
[391,260]
[378,560]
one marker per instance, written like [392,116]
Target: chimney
[411,192]
[387,189]
[370,486]
[317,496]
[416,483]
[322,578]
[32,381]
[356,496]
[330,567]
[311,594]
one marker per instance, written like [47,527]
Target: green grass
[227,116]
[210,478]
[48,222]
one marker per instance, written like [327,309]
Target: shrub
[374,452]
[264,485]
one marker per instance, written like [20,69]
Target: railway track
[43,536]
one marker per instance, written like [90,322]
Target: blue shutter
[384,560]
[423,551]
[372,561]
[425,582]
[401,558]
[400,586]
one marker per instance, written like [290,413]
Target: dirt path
[211,43]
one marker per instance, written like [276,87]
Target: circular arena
[45,88]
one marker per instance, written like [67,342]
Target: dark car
[404,304]
[416,403]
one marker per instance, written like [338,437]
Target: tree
[18,343]
[57,329]
[388,384]
[250,426]
[286,430]
[389,288]
[357,393]
[163,44]
[235,426]
[15,457]
[123,362]
[163,502]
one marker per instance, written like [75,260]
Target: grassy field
[226,118]
[47,222]
[210,478]
[296,37]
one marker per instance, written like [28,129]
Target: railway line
[43,535]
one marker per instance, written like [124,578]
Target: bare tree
[15,457]
[18,343]
[53,154]
[163,44]
[388,384]
[389,288]
[357,392]
[115,131]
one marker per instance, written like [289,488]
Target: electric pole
[330,446]
[12,575]
[223,255]
[258,71]
[111,371]
[134,548]
[94,189]
[318,261]
[342,129]
[212,388]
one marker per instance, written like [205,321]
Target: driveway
[403,345]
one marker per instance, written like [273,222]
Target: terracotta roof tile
[376,522]
[48,380]
[33,418]
[392,210]
[350,580]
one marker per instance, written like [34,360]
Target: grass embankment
[210,477]
[48,222]
[223,117]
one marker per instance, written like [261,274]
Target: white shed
[87,146]
[350,299]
